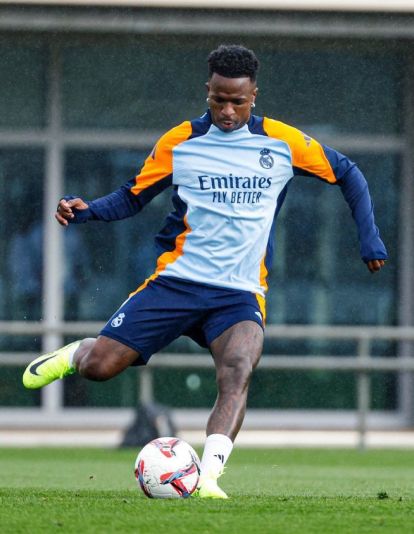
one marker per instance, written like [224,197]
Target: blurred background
[86,88]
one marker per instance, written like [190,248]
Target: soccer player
[229,171]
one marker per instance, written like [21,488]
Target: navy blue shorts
[168,307]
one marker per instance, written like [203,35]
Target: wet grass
[275,491]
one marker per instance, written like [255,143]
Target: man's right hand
[65,208]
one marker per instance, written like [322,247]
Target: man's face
[230,101]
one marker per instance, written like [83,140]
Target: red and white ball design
[167,468]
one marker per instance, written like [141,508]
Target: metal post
[406,247]
[53,297]
[146,386]
[363,393]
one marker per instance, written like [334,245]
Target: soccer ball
[167,468]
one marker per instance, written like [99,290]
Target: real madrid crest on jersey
[118,320]
[266,160]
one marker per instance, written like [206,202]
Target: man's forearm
[113,207]
[355,190]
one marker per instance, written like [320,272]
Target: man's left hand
[375,265]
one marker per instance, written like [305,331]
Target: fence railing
[363,362]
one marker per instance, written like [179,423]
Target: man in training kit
[229,171]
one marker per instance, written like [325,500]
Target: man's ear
[255,91]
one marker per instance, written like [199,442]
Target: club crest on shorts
[117,321]
[266,160]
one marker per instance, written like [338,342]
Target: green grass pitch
[272,490]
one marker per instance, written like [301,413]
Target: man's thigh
[105,358]
[242,344]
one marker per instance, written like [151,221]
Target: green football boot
[208,488]
[49,367]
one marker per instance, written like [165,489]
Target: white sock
[72,351]
[217,450]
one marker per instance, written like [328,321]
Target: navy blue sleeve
[118,205]
[354,188]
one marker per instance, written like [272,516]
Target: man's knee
[94,366]
[234,373]
[106,359]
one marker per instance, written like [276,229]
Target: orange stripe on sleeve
[159,163]
[307,154]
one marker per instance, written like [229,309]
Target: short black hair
[233,61]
